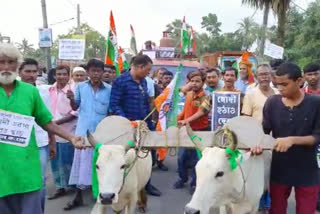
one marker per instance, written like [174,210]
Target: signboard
[15,129]
[45,37]
[225,105]
[151,54]
[273,50]
[71,49]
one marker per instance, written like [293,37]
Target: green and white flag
[133,43]
[185,39]
[168,102]
[112,54]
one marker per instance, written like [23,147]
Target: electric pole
[78,18]
[45,25]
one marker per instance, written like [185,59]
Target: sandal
[59,193]
[73,204]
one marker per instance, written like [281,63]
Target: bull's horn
[91,139]
[196,140]
[231,137]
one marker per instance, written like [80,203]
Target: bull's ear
[129,157]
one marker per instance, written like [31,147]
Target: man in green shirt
[20,170]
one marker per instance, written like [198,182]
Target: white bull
[217,185]
[115,189]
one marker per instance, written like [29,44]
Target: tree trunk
[264,28]
[282,18]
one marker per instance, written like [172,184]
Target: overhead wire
[295,4]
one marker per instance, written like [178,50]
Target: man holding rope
[293,118]
[130,99]
[20,169]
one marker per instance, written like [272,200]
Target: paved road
[171,202]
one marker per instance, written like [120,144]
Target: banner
[45,37]
[71,49]
[273,50]
[15,129]
[225,105]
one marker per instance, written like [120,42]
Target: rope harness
[225,138]
[140,133]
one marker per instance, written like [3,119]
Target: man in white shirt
[28,72]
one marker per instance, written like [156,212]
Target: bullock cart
[240,133]
[116,130]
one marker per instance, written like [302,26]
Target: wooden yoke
[116,130]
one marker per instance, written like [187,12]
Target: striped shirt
[130,99]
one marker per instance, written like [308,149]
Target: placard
[151,54]
[45,37]
[15,129]
[71,49]
[273,50]
[225,105]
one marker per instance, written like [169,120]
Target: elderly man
[21,183]
[78,75]
[254,100]
[253,104]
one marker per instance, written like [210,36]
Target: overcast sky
[22,18]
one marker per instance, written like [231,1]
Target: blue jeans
[187,158]
[44,158]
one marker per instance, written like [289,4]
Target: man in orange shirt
[193,102]
[229,78]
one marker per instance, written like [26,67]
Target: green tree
[174,29]
[248,32]
[210,41]
[211,24]
[293,37]
[280,7]
[302,37]
[265,6]
[25,47]
[38,55]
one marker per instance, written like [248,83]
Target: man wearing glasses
[130,99]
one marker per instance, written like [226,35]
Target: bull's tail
[142,201]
